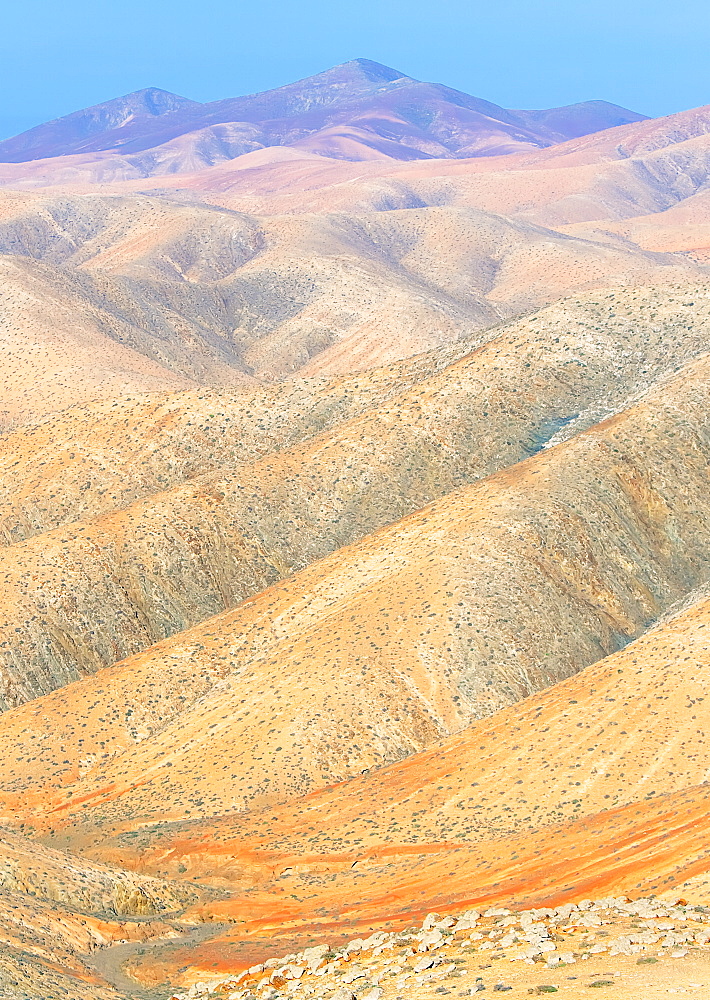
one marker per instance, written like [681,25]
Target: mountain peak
[402,116]
[375,71]
[153,101]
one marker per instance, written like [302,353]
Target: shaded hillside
[58,911]
[179,556]
[217,298]
[403,637]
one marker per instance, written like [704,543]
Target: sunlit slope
[596,786]
[495,591]
[55,350]
[93,459]
[284,899]
[95,591]
[99,457]
[627,729]
[217,296]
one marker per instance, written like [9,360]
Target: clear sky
[60,55]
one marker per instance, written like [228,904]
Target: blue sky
[60,55]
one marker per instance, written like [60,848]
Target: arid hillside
[298,265]
[288,483]
[593,787]
[354,543]
[55,350]
[402,638]
[58,911]
[219,298]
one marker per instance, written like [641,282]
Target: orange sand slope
[384,646]
[614,800]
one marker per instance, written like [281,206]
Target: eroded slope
[167,562]
[377,650]
[595,786]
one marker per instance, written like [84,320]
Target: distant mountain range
[356,111]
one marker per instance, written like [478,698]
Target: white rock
[343,994]
[373,941]
[432,939]
[312,956]
[356,973]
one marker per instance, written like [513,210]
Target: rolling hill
[354,545]
[595,787]
[107,295]
[290,484]
[430,617]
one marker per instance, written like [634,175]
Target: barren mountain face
[358,110]
[354,546]
[144,529]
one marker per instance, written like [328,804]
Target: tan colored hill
[97,458]
[594,787]
[57,913]
[357,646]
[684,228]
[102,588]
[343,266]
[627,729]
[217,297]
[381,648]
[54,352]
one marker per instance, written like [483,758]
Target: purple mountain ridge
[350,111]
